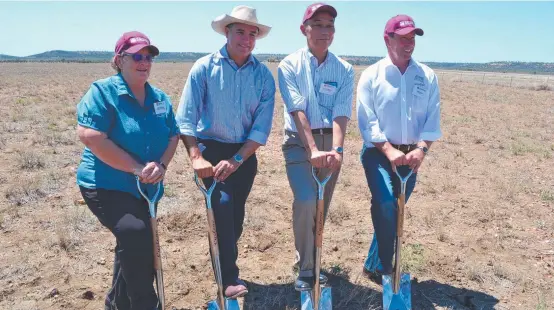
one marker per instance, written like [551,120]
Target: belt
[322,131]
[405,148]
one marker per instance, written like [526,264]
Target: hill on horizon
[105,56]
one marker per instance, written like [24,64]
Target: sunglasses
[139,57]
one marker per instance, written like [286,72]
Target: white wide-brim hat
[241,14]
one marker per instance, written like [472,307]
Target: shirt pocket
[326,101]
[419,103]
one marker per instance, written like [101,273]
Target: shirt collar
[123,89]
[313,58]
[223,54]
[388,63]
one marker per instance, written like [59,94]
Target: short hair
[114,65]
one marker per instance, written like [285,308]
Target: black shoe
[374,276]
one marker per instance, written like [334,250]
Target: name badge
[418,90]
[328,88]
[160,108]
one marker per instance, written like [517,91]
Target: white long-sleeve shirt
[323,92]
[399,108]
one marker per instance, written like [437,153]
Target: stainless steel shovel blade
[325,301]
[230,304]
[400,301]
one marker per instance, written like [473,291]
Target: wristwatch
[338,149]
[163,165]
[424,149]
[238,158]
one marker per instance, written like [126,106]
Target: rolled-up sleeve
[263,116]
[192,98]
[431,129]
[93,111]
[288,87]
[343,103]
[368,123]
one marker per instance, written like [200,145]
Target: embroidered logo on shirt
[419,79]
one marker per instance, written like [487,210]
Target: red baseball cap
[318,7]
[133,41]
[402,24]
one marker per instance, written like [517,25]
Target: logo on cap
[138,40]
[406,23]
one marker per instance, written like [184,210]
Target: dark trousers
[127,218]
[228,203]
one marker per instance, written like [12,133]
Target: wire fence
[501,79]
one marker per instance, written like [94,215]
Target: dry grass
[479,227]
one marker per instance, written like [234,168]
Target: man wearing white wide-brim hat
[225,114]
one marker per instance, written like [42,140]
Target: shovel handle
[400,229]
[213,240]
[155,241]
[151,202]
[158,264]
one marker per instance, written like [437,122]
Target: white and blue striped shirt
[225,103]
[323,92]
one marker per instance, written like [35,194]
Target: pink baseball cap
[132,42]
[318,7]
[402,24]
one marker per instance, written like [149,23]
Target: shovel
[157,253]
[221,303]
[317,298]
[397,289]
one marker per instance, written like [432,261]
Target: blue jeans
[385,189]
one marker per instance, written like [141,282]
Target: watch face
[238,157]
[339,149]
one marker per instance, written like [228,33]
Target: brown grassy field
[480,224]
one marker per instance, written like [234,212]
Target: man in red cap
[398,105]
[317,89]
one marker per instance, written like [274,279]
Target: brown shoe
[236,290]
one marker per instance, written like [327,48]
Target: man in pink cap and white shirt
[398,108]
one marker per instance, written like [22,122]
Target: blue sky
[454,31]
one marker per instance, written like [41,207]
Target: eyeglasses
[139,57]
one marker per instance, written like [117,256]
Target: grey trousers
[304,189]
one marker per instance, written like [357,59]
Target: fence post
[547,78]
[511,80]
[483,81]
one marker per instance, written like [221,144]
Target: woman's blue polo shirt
[144,132]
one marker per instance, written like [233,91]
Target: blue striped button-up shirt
[323,92]
[223,102]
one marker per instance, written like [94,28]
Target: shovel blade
[403,299]
[230,304]
[325,301]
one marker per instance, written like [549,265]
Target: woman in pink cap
[129,131]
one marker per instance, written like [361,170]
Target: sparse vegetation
[484,189]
